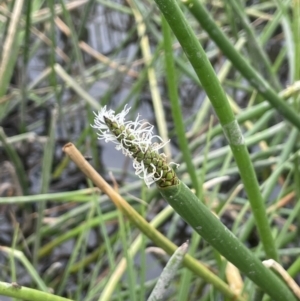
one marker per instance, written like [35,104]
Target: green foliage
[220,79]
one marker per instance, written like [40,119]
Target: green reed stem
[175,105]
[216,94]
[259,57]
[24,293]
[240,63]
[204,222]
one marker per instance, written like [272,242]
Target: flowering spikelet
[134,138]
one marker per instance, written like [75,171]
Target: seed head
[134,138]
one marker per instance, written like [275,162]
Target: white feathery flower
[134,138]
[104,132]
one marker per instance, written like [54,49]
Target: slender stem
[175,105]
[217,96]
[25,293]
[256,80]
[296,35]
[204,222]
[168,274]
[156,99]
[143,225]
[259,57]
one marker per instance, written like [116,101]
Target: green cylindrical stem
[239,62]
[176,107]
[205,223]
[21,292]
[217,96]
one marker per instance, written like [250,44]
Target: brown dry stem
[159,239]
[274,265]
[120,203]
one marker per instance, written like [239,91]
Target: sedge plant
[136,140]
[207,76]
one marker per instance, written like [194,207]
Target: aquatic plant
[135,139]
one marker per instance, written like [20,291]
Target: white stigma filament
[142,132]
